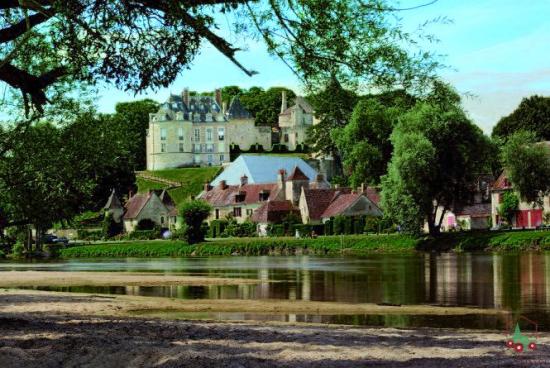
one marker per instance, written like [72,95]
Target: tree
[532,115]
[507,209]
[365,143]
[228,92]
[131,121]
[194,213]
[437,154]
[145,44]
[527,164]
[265,106]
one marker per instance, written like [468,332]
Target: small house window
[162,219]
[163,147]
[163,134]
[249,212]
[264,196]
[286,138]
[217,214]
[237,211]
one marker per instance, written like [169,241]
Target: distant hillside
[190,179]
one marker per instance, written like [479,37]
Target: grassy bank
[192,180]
[349,244]
[489,241]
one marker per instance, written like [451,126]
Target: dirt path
[39,329]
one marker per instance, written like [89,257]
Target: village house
[199,130]
[528,215]
[155,205]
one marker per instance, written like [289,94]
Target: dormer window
[239,197]
[264,195]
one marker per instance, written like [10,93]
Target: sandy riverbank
[50,278]
[44,329]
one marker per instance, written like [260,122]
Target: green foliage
[532,115]
[437,154]
[2,254]
[194,213]
[234,229]
[349,244]
[88,219]
[110,227]
[265,106]
[53,250]
[149,234]
[18,250]
[527,164]
[92,235]
[216,228]
[180,233]
[365,143]
[507,209]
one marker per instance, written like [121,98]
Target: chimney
[281,180]
[218,95]
[244,180]
[283,102]
[362,188]
[222,185]
[207,187]
[185,97]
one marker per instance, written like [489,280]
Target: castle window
[286,138]
[209,148]
[163,147]
[210,160]
[181,147]
[180,134]
[221,134]
[163,134]
[197,135]
[209,135]
[222,158]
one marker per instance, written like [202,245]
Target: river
[518,282]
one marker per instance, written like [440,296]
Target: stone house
[528,215]
[114,208]
[155,205]
[294,122]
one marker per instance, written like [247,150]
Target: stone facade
[199,130]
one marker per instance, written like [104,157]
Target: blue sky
[498,51]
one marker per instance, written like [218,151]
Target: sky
[497,52]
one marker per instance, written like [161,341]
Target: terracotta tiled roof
[218,197]
[318,200]
[340,204]
[274,211]
[297,174]
[135,205]
[476,210]
[502,182]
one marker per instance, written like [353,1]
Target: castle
[199,130]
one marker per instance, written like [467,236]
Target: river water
[519,283]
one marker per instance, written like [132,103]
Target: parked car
[53,239]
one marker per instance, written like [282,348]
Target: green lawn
[192,179]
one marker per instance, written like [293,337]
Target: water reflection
[516,282]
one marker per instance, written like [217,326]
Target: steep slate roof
[198,105]
[262,169]
[318,200]
[218,197]
[274,211]
[476,210]
[136,204]
[237,111]
[113,201]
[341,203]
[297,174]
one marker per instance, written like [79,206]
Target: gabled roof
[113,202]
[262,169]
[299,102]
[274,211]
[502,182]
[318,200]
[373,195]
[340,203]
[237,110]
[135,204]
[219,197]
[297,174]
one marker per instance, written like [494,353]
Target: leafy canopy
[532,115]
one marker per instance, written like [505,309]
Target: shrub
[216,228]
[89,234]
[88,219]
[194,213]
[180,233]
[143,234]
[18,250]
[234,229]
[372,224]
[508,207]
[2,254]
[53,250]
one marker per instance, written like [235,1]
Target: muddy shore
[46,329]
